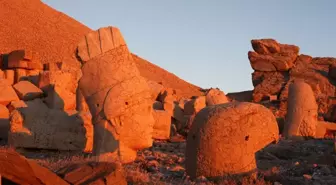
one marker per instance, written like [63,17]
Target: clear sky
[205,42]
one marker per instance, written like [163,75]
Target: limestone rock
[99,42]
[19,170]
[7,93]
[162,124]
[93,173]
[195,105]
[215,96]
[27,91]
[4,122]
[301,118]
[37,126]
[241,128]
[119,99]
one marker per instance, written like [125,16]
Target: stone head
[224,138]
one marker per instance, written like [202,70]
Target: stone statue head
[119,99]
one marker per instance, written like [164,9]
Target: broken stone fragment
[7,93]
[37,126]
[224,138]
[193,106]
[27,91]
[162,124]
[19,170]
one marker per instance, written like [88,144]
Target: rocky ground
[287,162]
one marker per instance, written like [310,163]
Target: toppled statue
[224,138]
[119,99]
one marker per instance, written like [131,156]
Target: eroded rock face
[215,96]
[119,99]
[272,56]
[20,170]
[37,126]
[301,118]
[241,128]
[7,93]
[193,106]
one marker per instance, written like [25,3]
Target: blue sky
[205,42]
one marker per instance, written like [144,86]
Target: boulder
[19,170]
[215,96]
[27,91]
[101,173]
[7,93]
[119,99]
[4,122]
[98,42]
[162,124]
[265,46]
[37,126]
[193,106]
[242,129]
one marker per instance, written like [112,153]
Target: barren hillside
[31,24]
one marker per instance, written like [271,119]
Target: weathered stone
[17,169]
[60,87]
[275,62]
[265,46]
[268,84]
[241,128]
[37,126]
[119,99]
[162,124]
[7,93]
[167,95]
[93,173]
[215,96]
[33,76]
[99,42]
[301,118]
[4,122]
[195,105]
[27,91]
